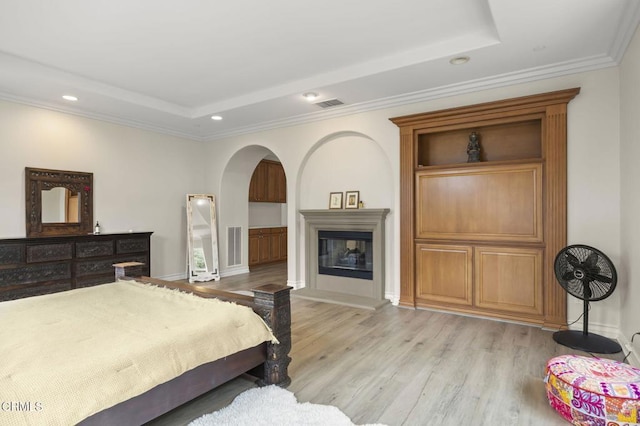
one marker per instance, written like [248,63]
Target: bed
[121,372]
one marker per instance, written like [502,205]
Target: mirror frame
[214,271]
[37,180]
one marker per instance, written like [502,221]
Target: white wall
[140,177]
[348,162]
[266,214]
[316,163]
[629,279]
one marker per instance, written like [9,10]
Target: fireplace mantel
[347,291]
[342,215]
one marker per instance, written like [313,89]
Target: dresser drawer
[94,248]
[35,273]
[49,252]
[131,245]
[11,254]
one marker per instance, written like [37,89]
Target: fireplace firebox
[345,254]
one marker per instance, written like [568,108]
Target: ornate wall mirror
[58,202]
[202,238]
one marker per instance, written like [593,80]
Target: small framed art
[335,200]
[352,199]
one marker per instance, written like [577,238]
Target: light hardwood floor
[403,367]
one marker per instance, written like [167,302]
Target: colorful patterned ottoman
[594,391]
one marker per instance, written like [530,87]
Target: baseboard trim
[296,284]
[632,358]
[598,328]
[238,270]
[174,277]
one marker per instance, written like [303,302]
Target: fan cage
[585,272]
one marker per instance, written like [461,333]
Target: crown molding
[502,80]
[627,28]
[101,117]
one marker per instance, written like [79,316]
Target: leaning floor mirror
[202,238]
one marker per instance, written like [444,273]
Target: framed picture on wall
[335,200]
[352,199]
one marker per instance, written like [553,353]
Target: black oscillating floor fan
[588,274]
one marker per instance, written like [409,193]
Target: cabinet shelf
[498,142]
[458,166]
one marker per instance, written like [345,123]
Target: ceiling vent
[329,103]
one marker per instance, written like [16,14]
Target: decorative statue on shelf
[473,148]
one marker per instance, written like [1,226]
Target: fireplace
[344,257]
[345,254]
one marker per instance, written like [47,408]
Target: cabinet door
[283,243]
[258,184]
[279,244]
[272,182]
[281,185]
[486,203]
[274,242]
[444,274]
[509,279]
[254,248]
[264,248]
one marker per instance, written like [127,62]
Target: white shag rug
[272,405]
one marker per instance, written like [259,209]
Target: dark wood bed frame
[267,362]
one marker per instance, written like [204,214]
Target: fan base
[575,339]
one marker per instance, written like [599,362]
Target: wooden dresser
[34,266]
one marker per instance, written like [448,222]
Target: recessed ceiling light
[459,60]
[69,98]
[310,96]
[216,117]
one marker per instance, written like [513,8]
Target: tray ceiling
[168,66]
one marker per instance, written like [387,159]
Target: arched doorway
[242,219]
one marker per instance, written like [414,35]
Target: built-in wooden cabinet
[267,245]
[481,237]
[268,183]
[34,266]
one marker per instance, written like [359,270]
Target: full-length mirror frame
[202,238]
[80,184]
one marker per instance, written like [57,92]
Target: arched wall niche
[335,163]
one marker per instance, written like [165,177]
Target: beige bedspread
[66,356]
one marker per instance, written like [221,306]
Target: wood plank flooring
[403,367]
